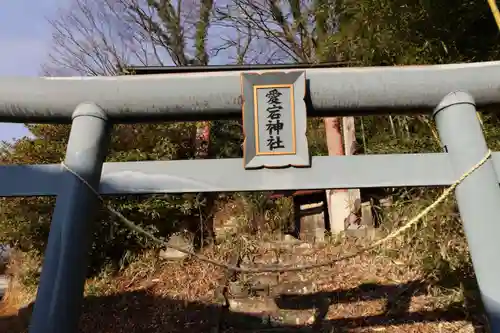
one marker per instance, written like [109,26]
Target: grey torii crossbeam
[91,105]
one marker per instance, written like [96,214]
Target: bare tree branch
[297,28]
[98,38]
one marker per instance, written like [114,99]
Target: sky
[25,38]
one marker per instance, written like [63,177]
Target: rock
[180,240]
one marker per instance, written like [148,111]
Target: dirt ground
[370,293]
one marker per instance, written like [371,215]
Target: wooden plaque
[274,120]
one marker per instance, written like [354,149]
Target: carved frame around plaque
[274,120]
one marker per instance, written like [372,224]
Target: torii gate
[93,104]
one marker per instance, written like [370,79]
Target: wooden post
[349,134]
[337,200]
[360,214]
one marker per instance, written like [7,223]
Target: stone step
[253,305]
[288,244]
[263,313]
[294,288]
[269,285]
[288,296]
[292,317]
[261,284]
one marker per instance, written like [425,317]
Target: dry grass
[417,283]
[18,294]
[372,293]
